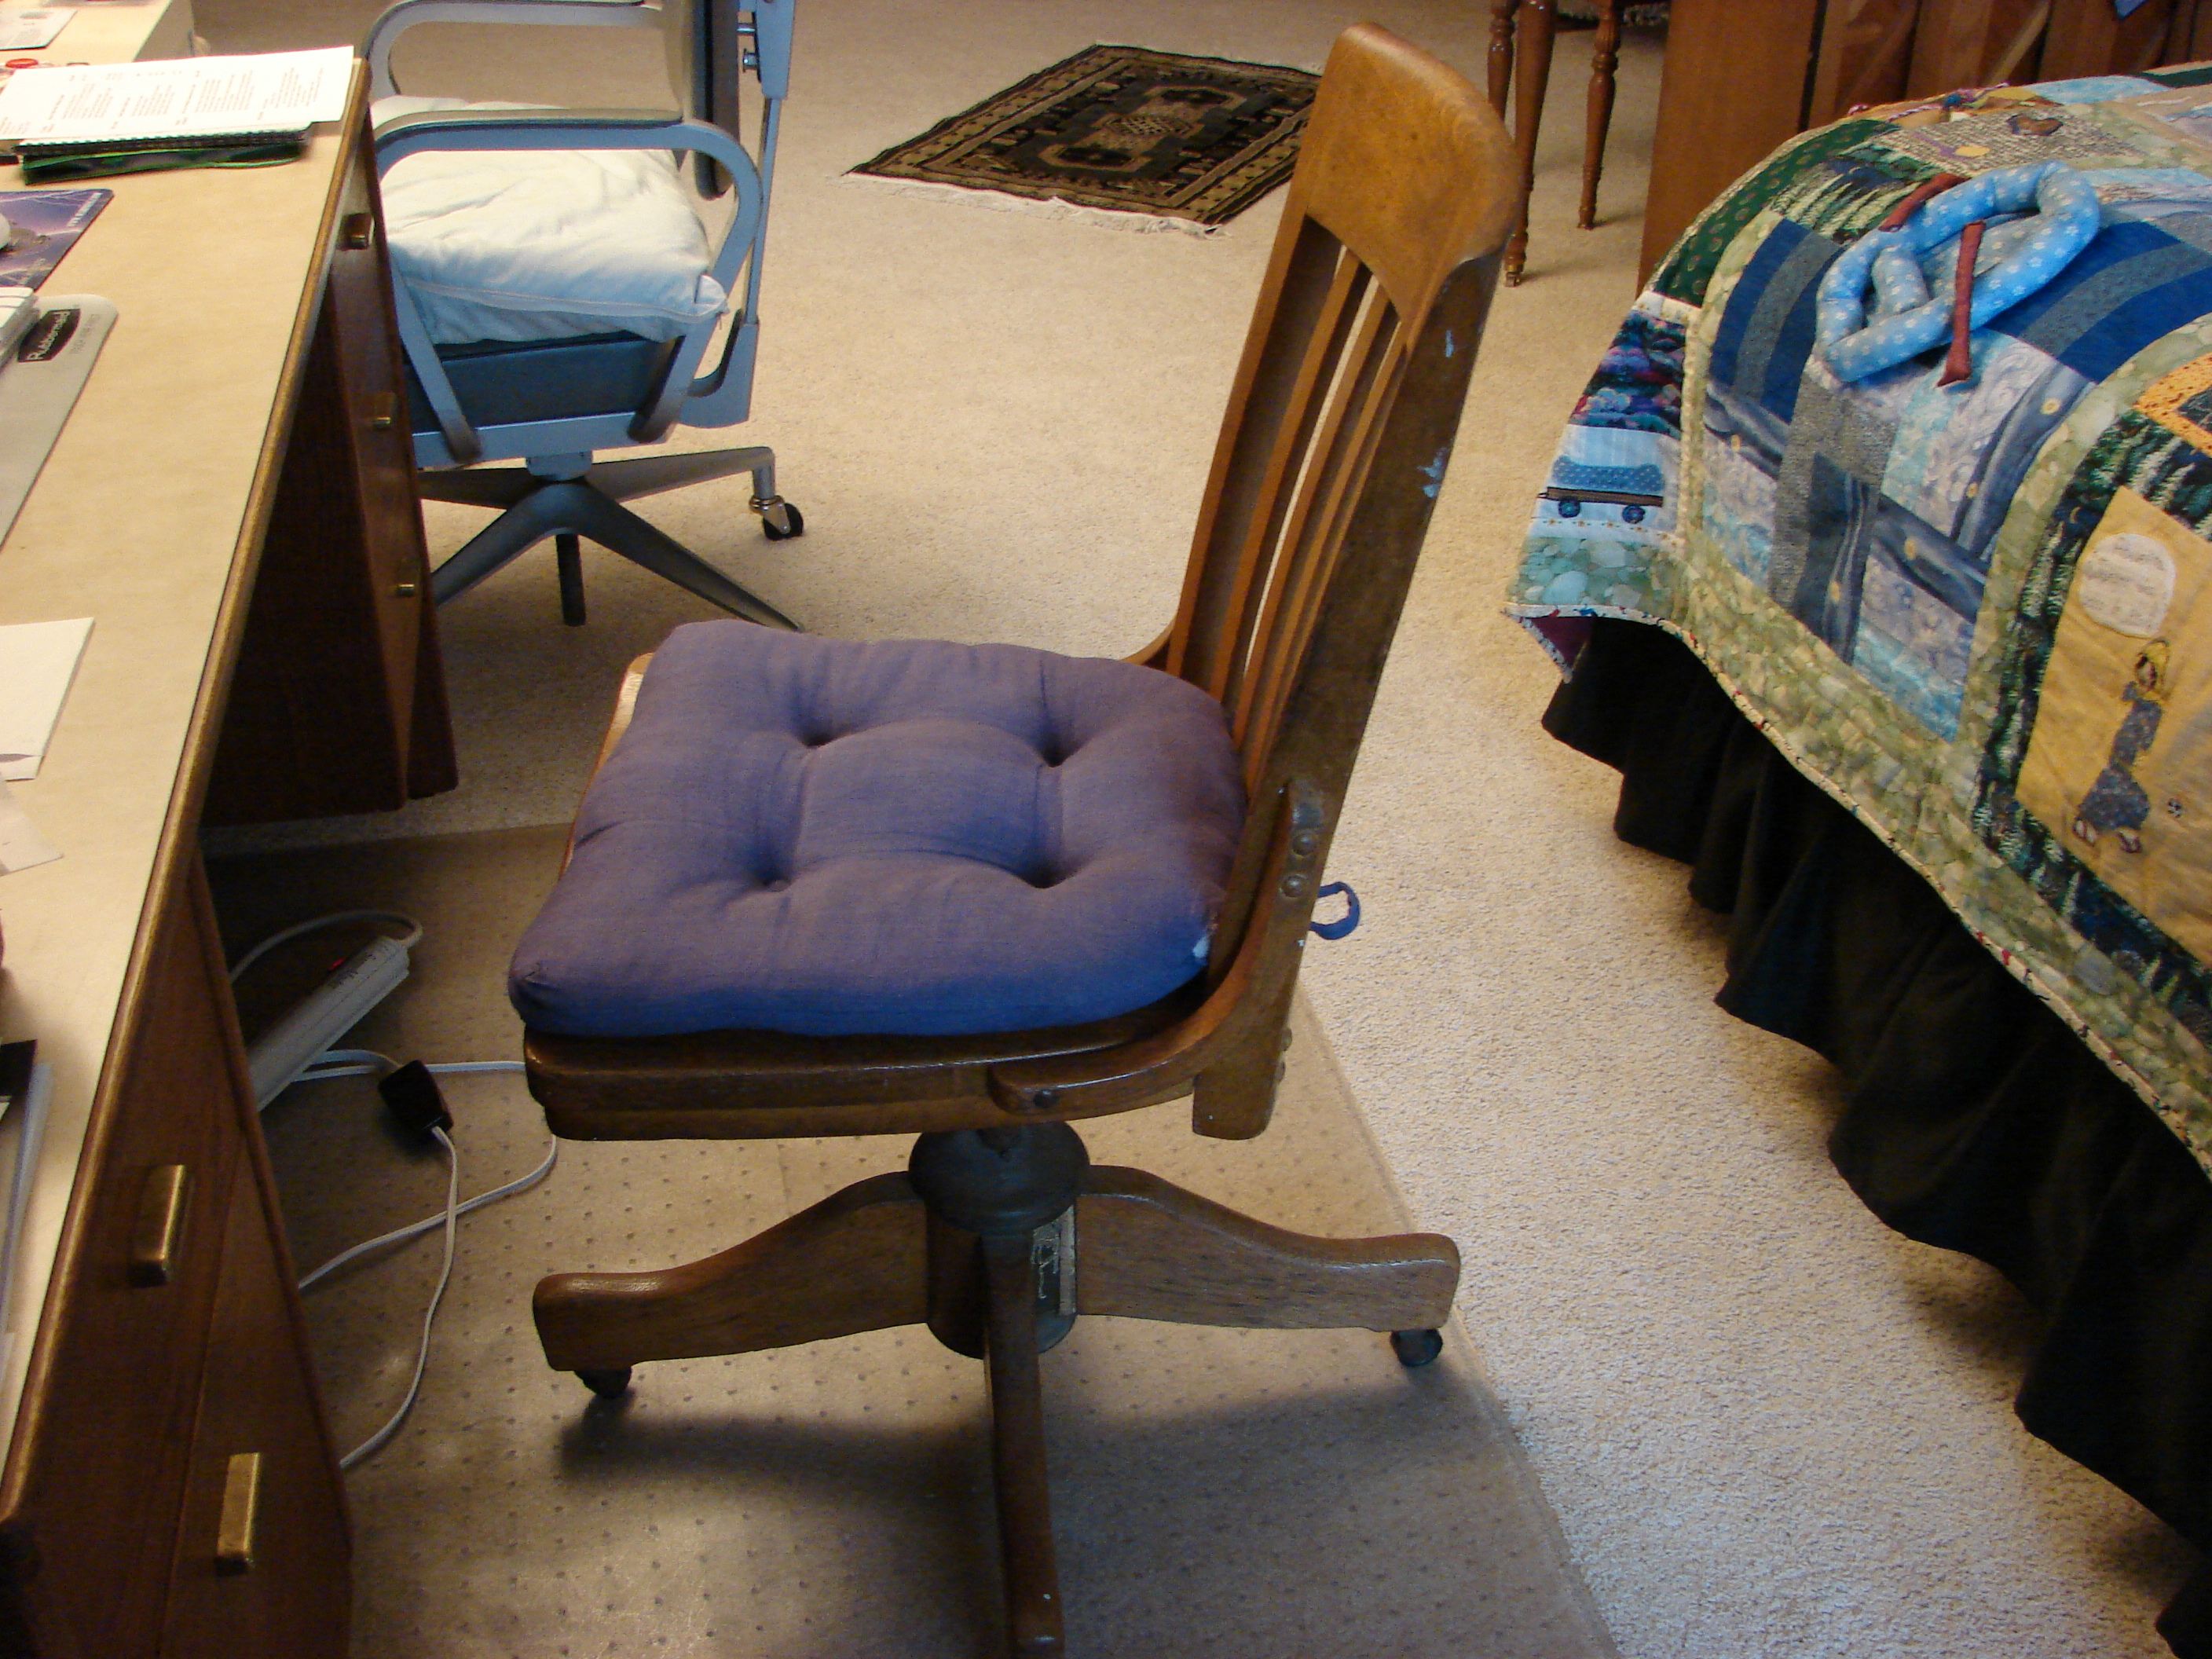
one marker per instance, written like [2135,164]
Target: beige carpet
[1768,1426]
[1229,1492]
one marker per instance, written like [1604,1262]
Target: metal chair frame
[560,491]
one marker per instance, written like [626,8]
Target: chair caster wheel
[792,522]
[613,1384]
[1416,1348]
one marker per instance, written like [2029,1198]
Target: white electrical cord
[417,1229]
[359,1062]
[376,1441]
[414,933]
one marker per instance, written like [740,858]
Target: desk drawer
[136,1278]
[261,1568]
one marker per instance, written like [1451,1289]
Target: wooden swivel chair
[1000,1233]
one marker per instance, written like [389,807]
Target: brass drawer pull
[155,1242]
[242,1506]
[354,232]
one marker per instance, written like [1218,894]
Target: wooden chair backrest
[1341,418]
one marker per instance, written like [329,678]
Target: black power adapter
[412,1096]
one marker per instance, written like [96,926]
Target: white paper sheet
[263,92]
[38,661]
[21,846]
[28,31]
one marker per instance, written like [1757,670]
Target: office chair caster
[1414,1348]
[781,521]
[608,1384]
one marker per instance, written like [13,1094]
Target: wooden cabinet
[338,703]
[1733,88]
[260,1563]
[173,1345]
[1740,79]
[120,1377]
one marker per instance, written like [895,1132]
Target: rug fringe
[996,201]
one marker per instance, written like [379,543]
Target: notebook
[81,120]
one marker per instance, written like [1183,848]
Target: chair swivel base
[586,502]
[997,1240]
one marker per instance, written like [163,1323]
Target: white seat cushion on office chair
[543,245]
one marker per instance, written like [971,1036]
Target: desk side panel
[338,682]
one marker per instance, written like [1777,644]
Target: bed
[1878,555]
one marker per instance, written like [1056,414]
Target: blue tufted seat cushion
[828,837]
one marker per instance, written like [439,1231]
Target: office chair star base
[998,1240]
[568,497]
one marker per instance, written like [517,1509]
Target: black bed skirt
[1975,1119]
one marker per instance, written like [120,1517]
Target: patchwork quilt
[1966,587]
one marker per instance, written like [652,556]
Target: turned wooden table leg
[1605,58]
[1501,51]
[1538,22]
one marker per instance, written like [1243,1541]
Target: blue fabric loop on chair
[1907,319]
[1344,923]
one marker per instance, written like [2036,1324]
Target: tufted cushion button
[962,873]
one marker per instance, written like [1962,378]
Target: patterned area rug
[1123,129]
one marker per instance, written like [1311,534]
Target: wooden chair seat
[751,1085]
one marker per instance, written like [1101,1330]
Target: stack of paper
[38,660]
[22,845]
[29,31]
[176,97]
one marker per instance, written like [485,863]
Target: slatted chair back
[1342,415]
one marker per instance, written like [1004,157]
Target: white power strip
[341,1002]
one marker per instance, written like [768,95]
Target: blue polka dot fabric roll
[1907,319]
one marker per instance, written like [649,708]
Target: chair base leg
[852,1263]
[572,507]
[1148,1250]
[621,481]
[648,475]
[568,561]
[1019,1477]
[539,505]
[975,1240]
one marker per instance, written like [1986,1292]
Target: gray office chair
[553,402]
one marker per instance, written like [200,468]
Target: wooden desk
[236,449]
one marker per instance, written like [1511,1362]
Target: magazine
[43,223]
